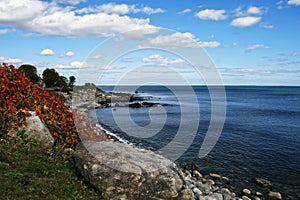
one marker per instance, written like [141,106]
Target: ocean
[260,137]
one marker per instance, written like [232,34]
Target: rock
[274,195]
[262,182]
[259,194]
[214,196]
[37,130]
[197,174]
[204,187]
[197,192]
[256,198]
[215,175]
[246,191]
[119,170]
[245,198]
[210,182]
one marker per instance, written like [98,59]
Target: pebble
[258,194]
[215,175]
[275,195]
[197,174]
[246,191]
[197,192]
[245,198]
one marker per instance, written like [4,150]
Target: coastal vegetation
[28,169]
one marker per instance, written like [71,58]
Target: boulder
[121,171]
[36,129]
[262,182]
[274,195]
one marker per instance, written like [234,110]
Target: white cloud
[235,44]
[3,31]
[69,54]
[53,19]
[16,11]
[211,14]
[72,65]
[47,52]
[184,11]
[114,8]
[253,10]
[161,60]
[149,10]
[257,46]
[10,60]
[294,2]
[120,9]
[181,40]
[245,21]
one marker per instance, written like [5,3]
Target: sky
[250,42]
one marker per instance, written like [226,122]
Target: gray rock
[197,192]
[204,187]
[121,171]
[36,129]
[214,196]
[246,191]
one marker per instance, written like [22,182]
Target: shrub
[19,95]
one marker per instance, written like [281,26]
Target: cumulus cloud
[10,60]
[184,11]
[181,40]
[294,2]
[253,10]
[161,60]
[15,11]
[211,14]
[257,46]
[53,19]
[47,52]
[245,21]
[69,54]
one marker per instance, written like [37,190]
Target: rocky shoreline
[203,187]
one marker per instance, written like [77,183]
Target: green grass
[28,171]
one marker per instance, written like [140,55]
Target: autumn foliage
[18,95]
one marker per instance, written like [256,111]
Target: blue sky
[251,42]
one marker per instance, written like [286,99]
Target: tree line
[50,78]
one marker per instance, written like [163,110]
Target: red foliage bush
[18,95]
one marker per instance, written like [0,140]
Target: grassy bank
[29,171]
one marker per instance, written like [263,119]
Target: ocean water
[260,137]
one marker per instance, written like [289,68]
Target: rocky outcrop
[121,171]
[37,130]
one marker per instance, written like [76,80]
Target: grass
[29,171]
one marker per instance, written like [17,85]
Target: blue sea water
[260,137]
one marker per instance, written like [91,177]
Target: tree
[71,81]
[30,72]
[51,77]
